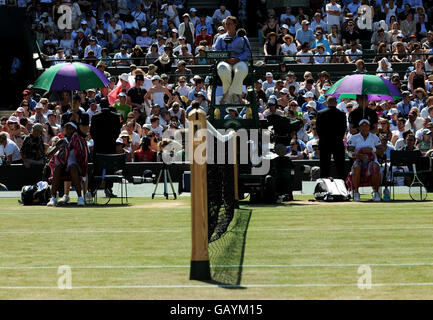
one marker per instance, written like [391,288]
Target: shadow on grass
[274,205]
[225,285]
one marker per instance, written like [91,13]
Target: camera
[147,177]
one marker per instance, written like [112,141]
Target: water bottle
[249,113]
[386,194]
[217,113]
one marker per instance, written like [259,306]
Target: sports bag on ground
[39,193]
[331,190]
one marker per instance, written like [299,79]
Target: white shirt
[266,85]
[183,91]
[331,19]
[10,149]
[358,141]
[306,59]
[289,48]
[353,55]
[143,42]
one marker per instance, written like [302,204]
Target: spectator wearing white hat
[393,115]
[275,90]
[143,40]
[270,82]
[39,117]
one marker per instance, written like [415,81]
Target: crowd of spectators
[400,31]
[154,104]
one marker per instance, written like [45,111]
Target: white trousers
[232,85]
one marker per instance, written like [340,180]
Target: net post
[200,268]
[235,167]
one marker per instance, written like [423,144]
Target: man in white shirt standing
[333,9]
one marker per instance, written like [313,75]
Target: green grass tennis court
[296,250]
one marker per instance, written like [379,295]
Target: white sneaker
[80,201]
[376,197]
[52,202]
[64,199]
[356,197]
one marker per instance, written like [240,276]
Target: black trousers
[338,152]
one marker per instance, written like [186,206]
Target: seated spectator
[350,34]
[145,154]
[400,53]
[427,44]
[203,35]
[417,53]
[9,151]
[304,35]
[353,54]
[320,39]
[272,108]
[408,26]
[318,21]
[295,151]
[15,130]
[422,26]
[409,143]
[379,36]
[363,147]
[338,56]
[419,100]
[321,55]
[305,56]
[164,62]
[39,117]
[384,68]
[413,123]
[33,148]
[334,37]
[138,55]
[425,143]
[270,26]
[200,58]
[121,58]
[272,48]
[288,48]
[394,32]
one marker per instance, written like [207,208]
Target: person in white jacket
[186,29]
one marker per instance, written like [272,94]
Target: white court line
[192,286]
[337,265]
[248,230]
